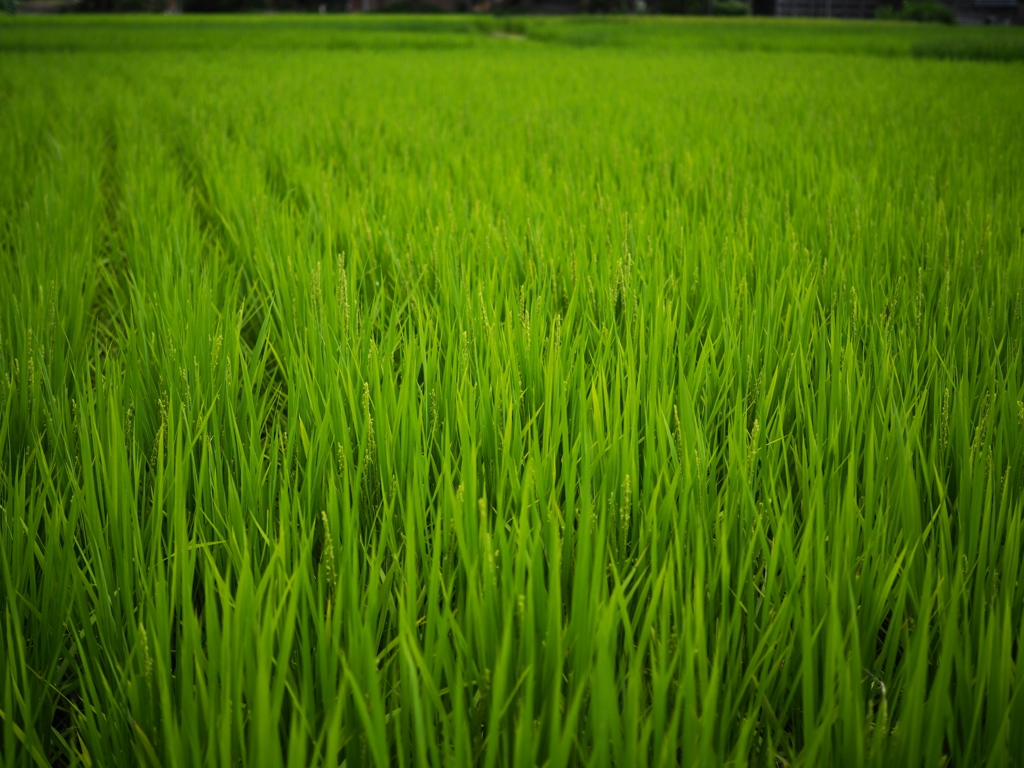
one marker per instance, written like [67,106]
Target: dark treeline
[414,6]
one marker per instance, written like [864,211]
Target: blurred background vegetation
[988,12]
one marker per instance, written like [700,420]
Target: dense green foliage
[421,393]
[730,8]
[918,10]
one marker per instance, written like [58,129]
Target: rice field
[510,392]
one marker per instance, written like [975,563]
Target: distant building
[842,9]
[967,11]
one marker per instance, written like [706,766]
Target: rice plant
[392,392]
